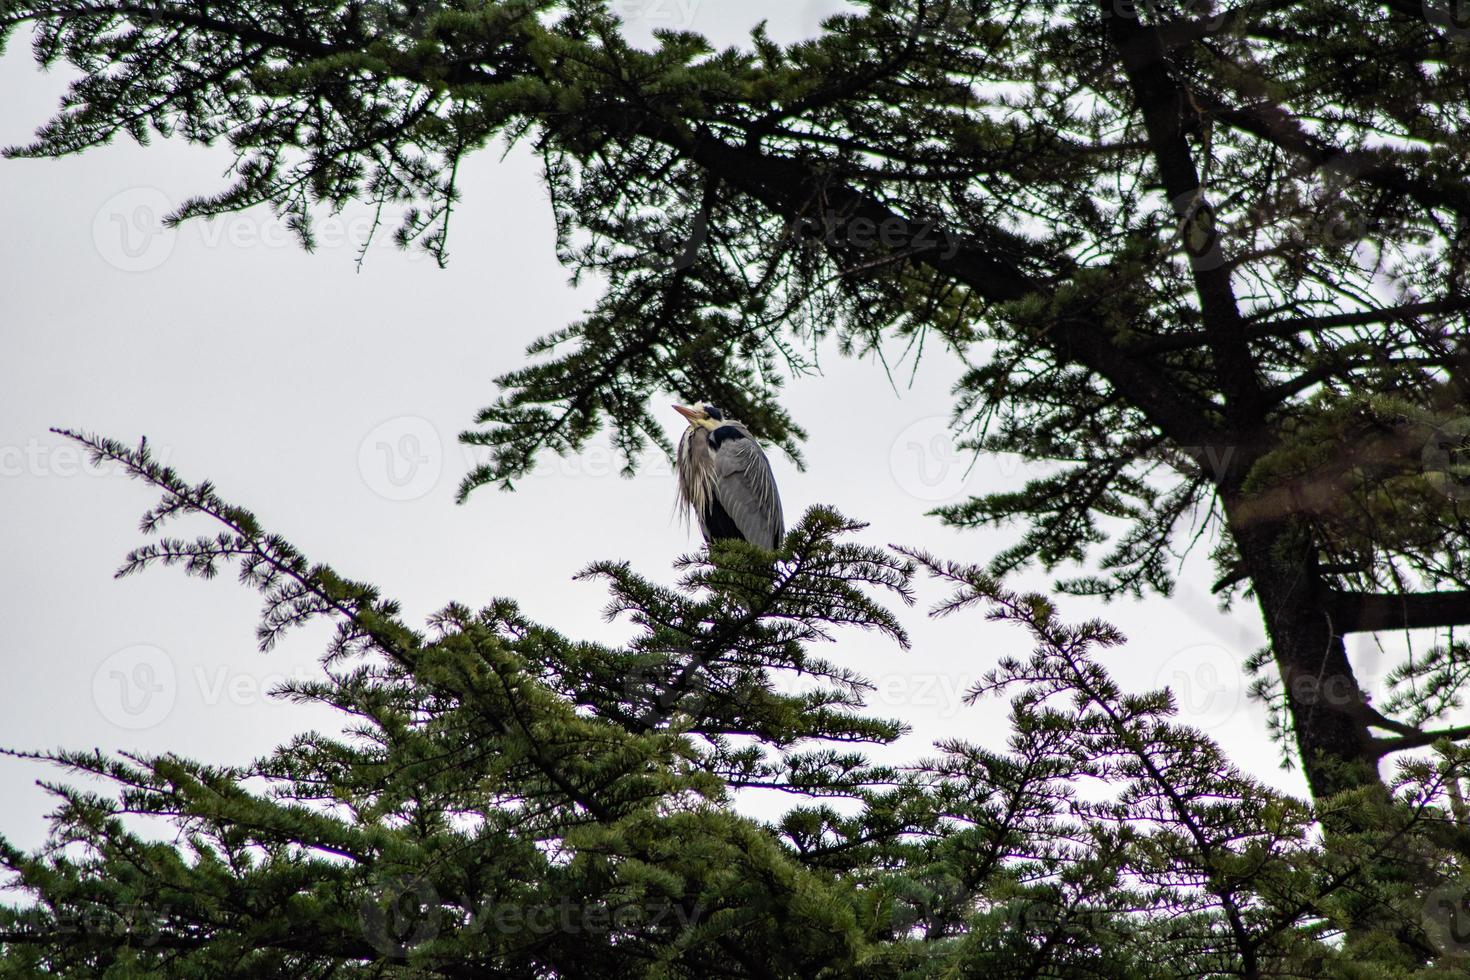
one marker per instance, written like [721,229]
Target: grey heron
[725,480]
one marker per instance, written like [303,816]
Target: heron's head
[702,417]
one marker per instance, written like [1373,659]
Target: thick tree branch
[1163,103]
[1275,125]
[1367,612]
[1375,455]
[1310,324]
[1323,490]
[1417,740]
[1329,368]
[1358,318]
[790,189]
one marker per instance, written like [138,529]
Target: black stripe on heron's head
[724,434]
[714,413]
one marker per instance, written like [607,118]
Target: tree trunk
[1328,712]
[1329,715]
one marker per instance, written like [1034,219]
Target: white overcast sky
[327,401]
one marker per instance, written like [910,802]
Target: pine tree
[505,801]
[1211,260]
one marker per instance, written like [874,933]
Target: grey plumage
[725,480]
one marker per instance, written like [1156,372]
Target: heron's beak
[692,414]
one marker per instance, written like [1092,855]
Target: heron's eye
[713,412]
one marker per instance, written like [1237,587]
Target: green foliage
[972,172]
[492,764]
[1206,264]
[504,801]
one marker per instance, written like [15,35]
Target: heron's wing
[747,490]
